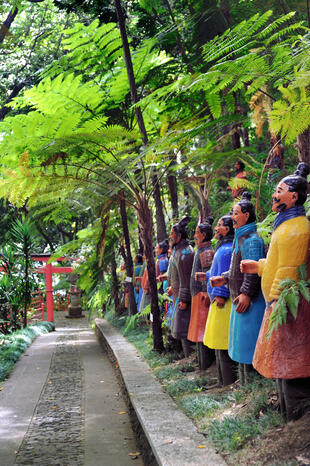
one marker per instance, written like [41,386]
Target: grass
[197,407]
[183,386]
[231,417]
[12,346]
[233,432]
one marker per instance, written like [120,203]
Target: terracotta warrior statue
[180,268]
[162,261]
[200,299]
[240,173]
[248,302]
[285,354]
[217,326]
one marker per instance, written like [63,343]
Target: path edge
[171,436]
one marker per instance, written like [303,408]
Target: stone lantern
[74,309]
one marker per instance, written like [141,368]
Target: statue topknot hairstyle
[298,182]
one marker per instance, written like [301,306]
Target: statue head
[162,247]
[178,231]
[243,212]
[239,166]
[138,259]
[292,190]
[224,227]
[203,231]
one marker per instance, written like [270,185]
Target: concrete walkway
[62,405]
[171,436]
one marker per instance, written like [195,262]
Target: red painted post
[49,293]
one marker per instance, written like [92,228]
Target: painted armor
[180,272]
[200,300]
[217,325]
[244,328]
[286,354]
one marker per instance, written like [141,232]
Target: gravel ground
[55,435]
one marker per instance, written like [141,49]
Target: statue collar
[296,211]
[161,256]
[247,228]
[225,239]
[205,244]
[182,244]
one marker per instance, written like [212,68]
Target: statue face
[282,198]
[158,250]
[198,237]
[220,230]
[239,218]
[174,237]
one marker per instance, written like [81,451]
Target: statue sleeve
[185,269]
[223,264]
[261,266]
[292,252]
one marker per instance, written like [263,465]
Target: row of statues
[223,298]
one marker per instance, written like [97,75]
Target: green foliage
[134,320]
[13,345]
[197,407]
[180,387]
[289,299]
[233,433]
[168,373]
[265,227]
[17,284]
[291,114]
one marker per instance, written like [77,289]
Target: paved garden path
[63,406]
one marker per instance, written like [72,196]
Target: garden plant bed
[244,423]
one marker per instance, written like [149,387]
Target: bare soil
[285,445]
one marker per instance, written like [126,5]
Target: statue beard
[280,207]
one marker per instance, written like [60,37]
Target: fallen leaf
[1,388]
[167,442]
[131,394]
[303,459]
[201,446]
[54,407]
[116,364]
[123,412]
[136,453]
[38,368]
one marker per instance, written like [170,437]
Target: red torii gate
[49,269]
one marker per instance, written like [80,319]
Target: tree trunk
[225,7]
[115,285]
[160,218]
[173,189]
[128,261]
[144,212]
[236,143]
[7,24]
[129,68]
[16,89]
[146,226]
[303,146]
